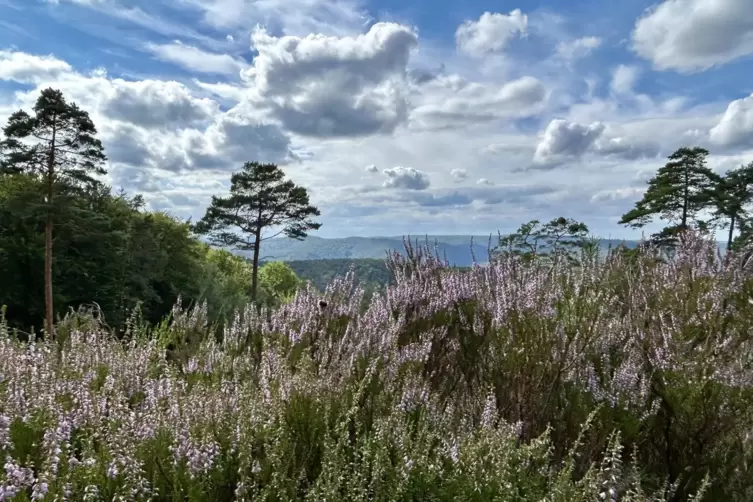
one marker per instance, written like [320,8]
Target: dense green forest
[371,273]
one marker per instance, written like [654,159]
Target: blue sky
[400,117]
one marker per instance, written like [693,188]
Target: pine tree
[259,198]
[733,196]
[682,188]
[58,144]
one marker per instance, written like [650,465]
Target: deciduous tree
[278,282]
[558,238]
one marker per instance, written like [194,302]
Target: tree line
[685,194]
[66,239]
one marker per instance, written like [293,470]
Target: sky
[429,116]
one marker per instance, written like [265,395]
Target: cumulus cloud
[624,78]
[459,174]
[406,178]
[371,168]
[232,139]
[484,181]
[577,49]
[194,134]
[491,33]
[694,35]
[195,59]
[155,103]
[30,69]
[148,103]
[736,125]
[452,101]
[564,140]
[324,86]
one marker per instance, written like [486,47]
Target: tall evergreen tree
[259,198]
[58,144]
[732,198]
[682,188]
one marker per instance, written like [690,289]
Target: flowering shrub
[615,380]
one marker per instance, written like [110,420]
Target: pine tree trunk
[685,197]
[48,275]
[729,236]
[48,306]
[255,265]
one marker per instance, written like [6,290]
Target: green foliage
[58,145]
[259,198]
[732,198]
[561,237]
[681,189]
[372,274]
[277,283]
[112,253]
[584,388]
[224,283]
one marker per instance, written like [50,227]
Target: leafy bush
[617,380]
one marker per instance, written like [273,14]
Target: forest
[141,359]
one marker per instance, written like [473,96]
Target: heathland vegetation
[168,369]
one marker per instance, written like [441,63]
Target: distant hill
[456,248]
[370,273]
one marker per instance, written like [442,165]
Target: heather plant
[624,378]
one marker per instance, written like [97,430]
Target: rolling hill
[456,248]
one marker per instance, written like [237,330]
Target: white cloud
[194,134]
[29,68]
[459,174]
[564,140]
[406,178]
[229,92]
[154,103]
[491,33]
[619,194]
[694,35]
[195,59]
[577,49]
[736,125]
[333,86]
[627,148]
[328,93]
[156,23]
[452,101]
[624,78]
[293,17]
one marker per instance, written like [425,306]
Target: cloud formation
[564,140]
[325,86]
[490,33]
[694,35]
[736,125]
[195,59]
[406,178]
[184,92]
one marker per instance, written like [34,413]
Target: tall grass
[620,380]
